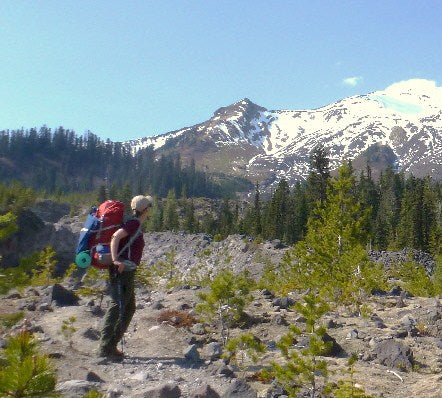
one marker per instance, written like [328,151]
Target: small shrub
[68,329]
[304,368]
[218,238]
[366,311]
[91,287]
[414,278]
[227,297]
[167,269]
[44,268]
[243,348]
[7,321]
[93,393]
[25,372]
[144,275]
[8,225]
[346,388]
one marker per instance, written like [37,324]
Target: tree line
[60,161]
[398,210]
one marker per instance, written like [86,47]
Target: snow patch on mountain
[406,116]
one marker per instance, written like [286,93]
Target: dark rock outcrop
[394,354]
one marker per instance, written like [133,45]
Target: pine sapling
[304,368]
[347,388]
[225,302]
[68,329]
[26,373]
[243,349]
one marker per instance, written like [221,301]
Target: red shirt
[137,246]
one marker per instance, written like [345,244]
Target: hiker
[122,276]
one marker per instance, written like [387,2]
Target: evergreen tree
[256,220]
[113,192]
[170,221]
[101,195]
[318,177]
[387,218]
[225,219]
[279,209]
[126,197]
[297,214]
[332,260]
[190,222]
[155,221]
[368,195]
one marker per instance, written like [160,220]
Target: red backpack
[110,214]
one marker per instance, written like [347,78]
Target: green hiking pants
[120,312]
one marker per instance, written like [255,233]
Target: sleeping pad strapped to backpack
[94,243]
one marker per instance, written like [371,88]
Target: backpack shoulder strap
[130,241]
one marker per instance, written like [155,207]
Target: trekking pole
[120,304]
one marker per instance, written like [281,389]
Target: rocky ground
[399,345]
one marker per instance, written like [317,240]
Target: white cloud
[352,81]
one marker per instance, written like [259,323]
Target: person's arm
[115,242]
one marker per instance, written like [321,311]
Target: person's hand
[120,266]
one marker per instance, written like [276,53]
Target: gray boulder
[63,297]
[75,388]
[394,354]
[204,391]
[191,353]
[213,351]
[240,389]
[164,391]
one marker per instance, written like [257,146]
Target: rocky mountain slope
[402,123]
[399,344]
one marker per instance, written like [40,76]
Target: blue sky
[128,69]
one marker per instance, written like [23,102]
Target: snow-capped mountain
[264,145]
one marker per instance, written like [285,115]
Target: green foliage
[70,271]
[14,197]
[170,221]
[415,280]
[36,270]
[167,269]
[332,259]
[93,393]
[155,220]
[101,194]
[226,299]
[304,368]
[9,320]
[218,238]
[44,268]
[346,388]
[244,348]
[144,275]
[319,175]
[190,223]
[437,277]
[68,329]
[63,162]
[26,373]
[8,225]
[91,287]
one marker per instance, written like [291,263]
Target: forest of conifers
[400,210]
[60,161]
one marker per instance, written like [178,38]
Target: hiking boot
[112,353]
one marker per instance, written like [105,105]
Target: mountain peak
[243,107]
